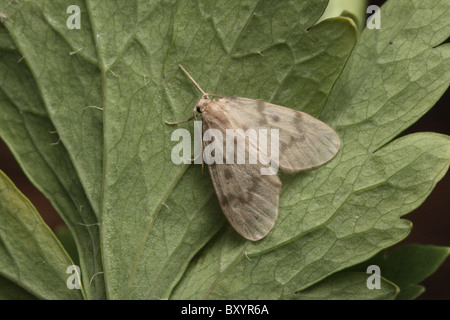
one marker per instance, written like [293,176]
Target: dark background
[431,223]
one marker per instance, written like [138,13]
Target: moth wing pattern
[248,199]
[305,142]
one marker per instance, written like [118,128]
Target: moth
[249,199]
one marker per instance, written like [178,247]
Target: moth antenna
[192,79]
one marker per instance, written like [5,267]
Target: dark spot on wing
[252,189]
[228,174]
[298,119]
[260,105]
[300,137]
[233,198]
[257,218]
[276,118]
[241,199]
[224,201]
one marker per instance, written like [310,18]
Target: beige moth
[248,198]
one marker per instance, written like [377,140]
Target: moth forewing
[248,199]
[305,142]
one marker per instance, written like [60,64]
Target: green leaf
[30,254]
[26,129]
[11,291]
[395,75]
[69,82]
[68,242]
[348,286]
[366,222]
[347,8]
[162,231]
[408,265]
[6,42]
[143,87]
[349,209]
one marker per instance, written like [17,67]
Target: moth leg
[194,116]
[177,122]
[195,158]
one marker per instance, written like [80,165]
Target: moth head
[201,104]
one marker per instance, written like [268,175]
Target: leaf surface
[29,133]
[68,81]
[349,286]
[30,254]
[408,265]
[163,234]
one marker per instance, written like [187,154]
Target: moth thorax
[201,104]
